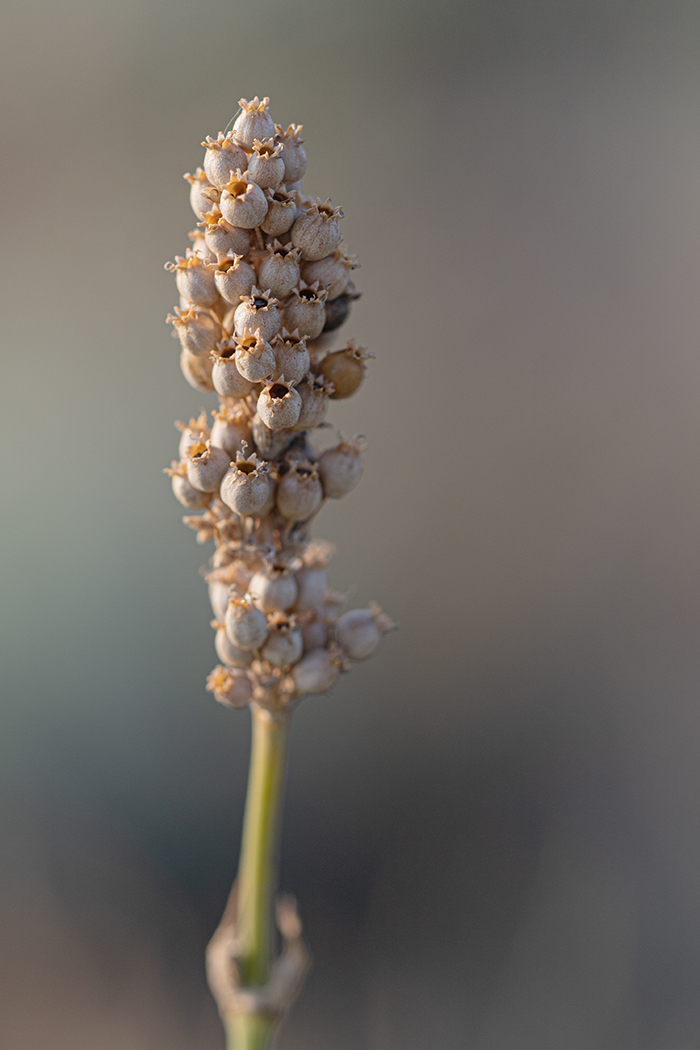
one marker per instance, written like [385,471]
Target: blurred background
[492,826]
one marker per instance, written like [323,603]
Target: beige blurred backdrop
[492,826]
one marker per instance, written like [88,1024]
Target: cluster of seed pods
[263,289]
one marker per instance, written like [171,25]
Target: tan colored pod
[316,672]
[314,393]
[197,370]
[332,273]
[222,238]
[196,328]
[234,278]
[266,166]
[257,315]
[206,465]
[345,369]
[243,204]
[245,624]
[203,196]
[247,488]
[194,279]
[270,443]
[184,492]
[226,379]
[223,158]
[230,654]
[253,122]
[231,687]
[293,153]
[284,644]
[305,310]
[291,356]
[255,359]
[314,634]
[312,577]
[281,212]
[274,588]
[360,631]
[192,433]
[317,231]
[279,405]
[279,270]
[230,431]
[340,468]
[299,493]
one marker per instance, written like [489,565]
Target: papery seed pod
[338,310]
[299,493]
[245,624]
[316,672]
[291,356]
[203,196]
[332,273]
[266,166]
[197,329]
[345,369]
[279,271]
[312,577]
[360,631]
[340,468]
[254,122]
[317,231]
[206,465]
[281,212]
[194,279]
[274,588]
[226,379]
[230,654]
[284,644]
[305,310]
[234,278]
[192,433]
[243,204]
[222,238]
[219,598]
[247,488]
[314,634]
[257,315]
[279,405]
[270,443]
[232,688]
[200,248]
[255,359]
[223,158]
[184,492]
[197,370]
[314,393]
[293,154]
[230,431]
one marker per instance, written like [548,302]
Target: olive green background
[492,825]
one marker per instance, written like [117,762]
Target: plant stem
[257,872]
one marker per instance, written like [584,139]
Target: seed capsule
[203,196]
[226,379]
[257,315]
[279,271]
[314,635]
[293,154]
[332,273]
[316,672]
[197,371]
[317,231]
[281,212]
[206,465]
[245,624]
[222,238]
[243,204]
[223,158]
[279,405]
[197,329]
[270,443]
[184,492]
[194,279]
[219,598]
[253,123]
[299,493]
[266,166]
[234,278]
[247,488]
[305,310]
[274,589]
[230,654]
[345,369]
[192,433]
[360,631]
[231,688]
[312,578]
[340,468]
[254,358]
[314,393]
[284,644]
[291,356]
[231,430]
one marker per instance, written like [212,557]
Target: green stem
[257,873]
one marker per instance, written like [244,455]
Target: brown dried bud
[279,271]
[254,122]
[317,231]
[223,158]
[340,468]
[266,166]
[243,204]
[345,369]
[293,154]
[299,493]
[305,310]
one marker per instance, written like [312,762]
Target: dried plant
[264,288]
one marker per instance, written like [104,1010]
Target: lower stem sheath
[257,872]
